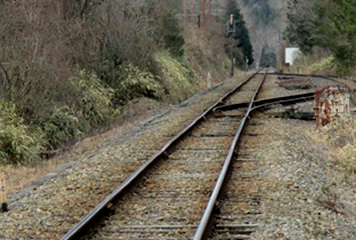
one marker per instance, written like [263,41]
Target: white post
[208,80]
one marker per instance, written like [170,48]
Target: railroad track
[237,210]
[165,198]
[235,205]
[192,188]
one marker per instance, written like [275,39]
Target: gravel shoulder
[305,194]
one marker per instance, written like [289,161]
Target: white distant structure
[291,54]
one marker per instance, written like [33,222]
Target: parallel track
[208,216]
[233,209]
[239,206]
[181,171]
[169,201]
[170,196]
[326,77]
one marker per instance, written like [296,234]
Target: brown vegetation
[67,67]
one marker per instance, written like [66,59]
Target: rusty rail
[268,101]
[304,75]
[101,210]
[327,77]
[201,232]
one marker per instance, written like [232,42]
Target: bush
[18,144]
[318,62]
[94,99]
[62,126]
[176,77]
[324,65]
[92,108]
[133,83]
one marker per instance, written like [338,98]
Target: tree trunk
[203,21]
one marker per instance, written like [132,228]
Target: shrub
[94,99]
[350,161]
[176,77]
[18,144]
[92,108]
[324,65]
[62,126]
[133,83]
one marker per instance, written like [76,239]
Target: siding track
[235,205]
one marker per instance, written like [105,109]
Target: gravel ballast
[49,211]
[304,195]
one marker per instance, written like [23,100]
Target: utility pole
[194,11]
[209,10]
[199,20]
[231,29]
[64,9]
[203,16]
[185,9]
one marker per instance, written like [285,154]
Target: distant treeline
[243,50]
[326,24]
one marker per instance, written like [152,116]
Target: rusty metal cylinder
[332,103]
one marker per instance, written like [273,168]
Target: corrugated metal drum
[332,103]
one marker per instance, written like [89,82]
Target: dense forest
[326,28]
[323,30]
[265,21]
[68,67]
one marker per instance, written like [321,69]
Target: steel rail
[80,229]
[304,75]
[284,99]
[208,213]
[327,77]
[283,102]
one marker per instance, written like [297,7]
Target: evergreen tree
[171,33]
[302,29]
[337,31]
[241,35]
[330,24]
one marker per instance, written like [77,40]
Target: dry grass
[340,138]
[19,177]
[318,62]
